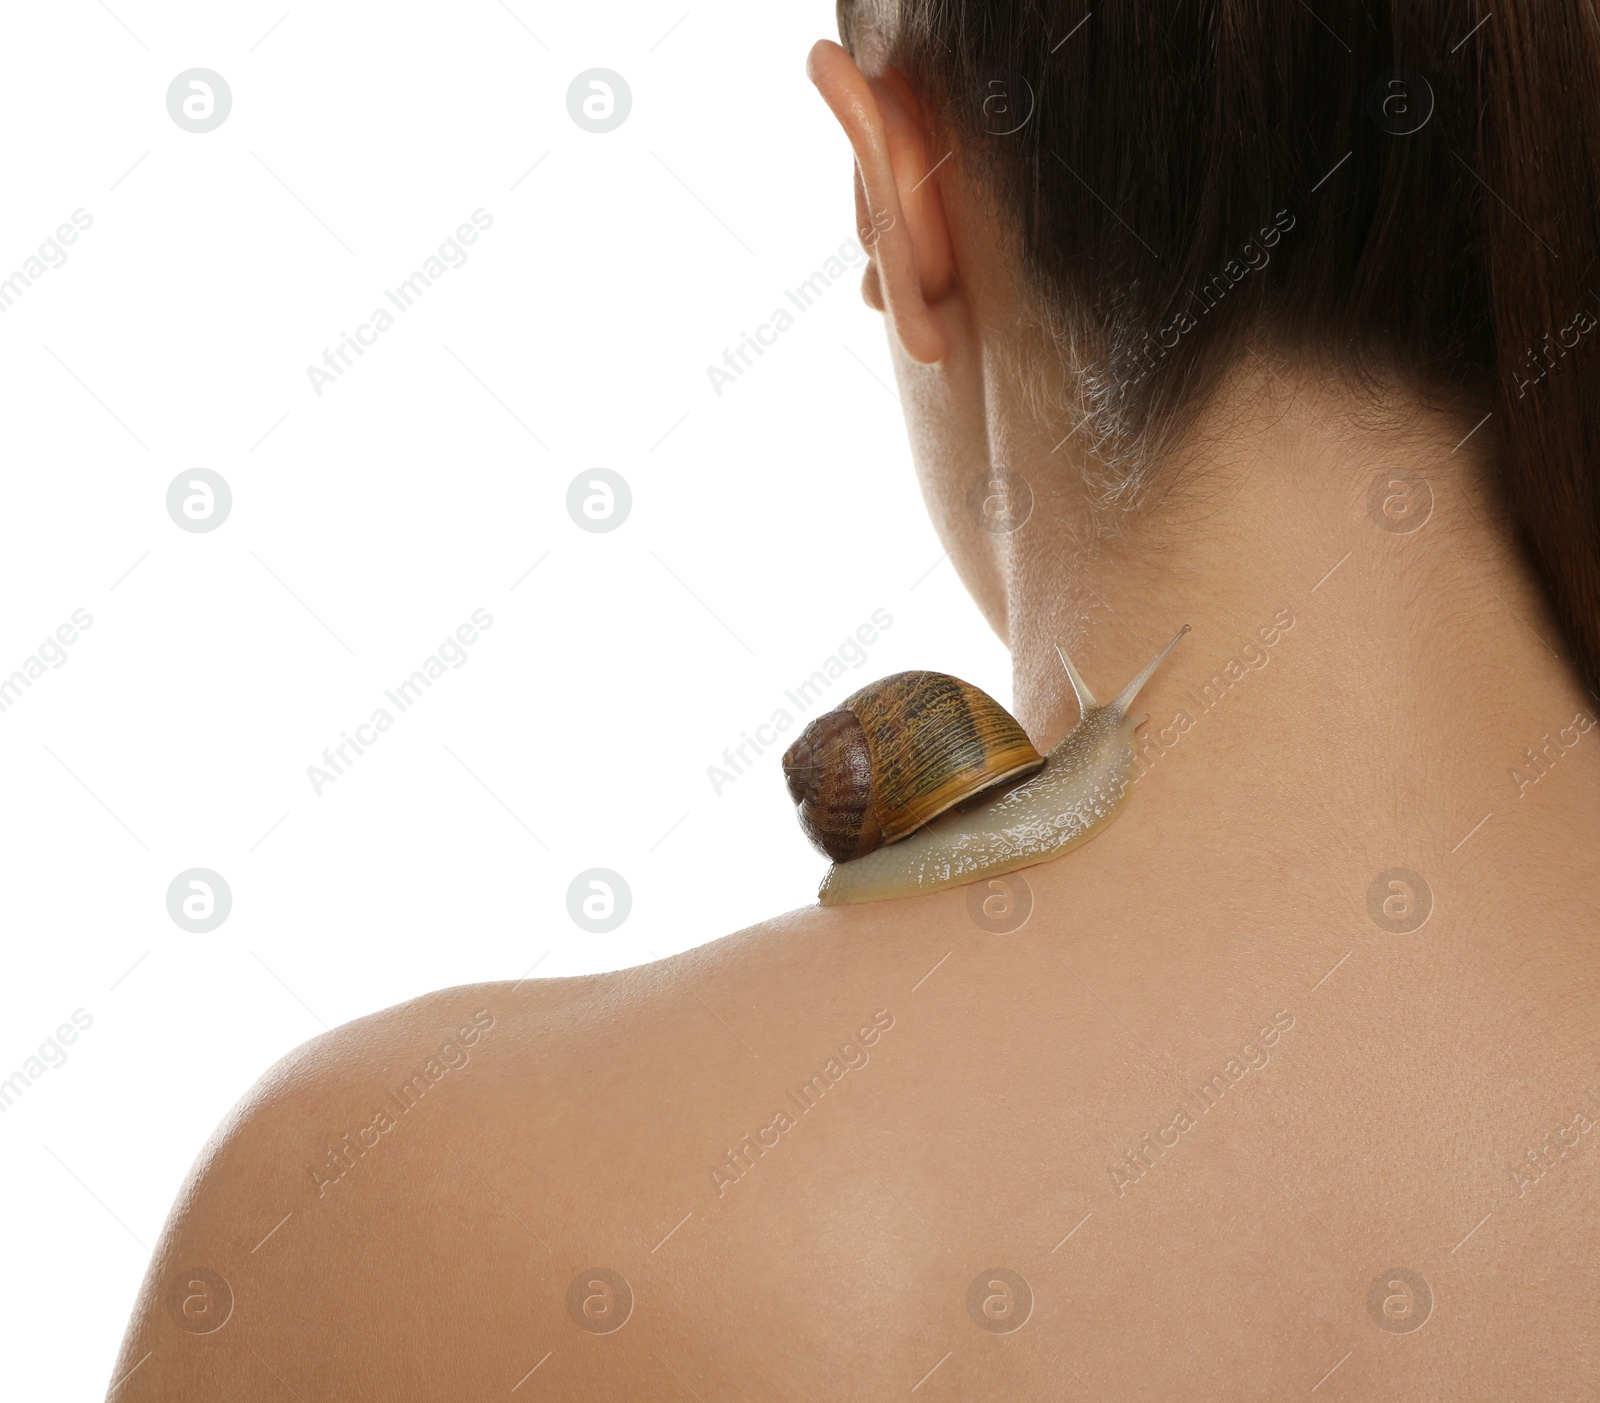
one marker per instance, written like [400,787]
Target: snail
[922,781]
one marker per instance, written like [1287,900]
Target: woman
[1272,319]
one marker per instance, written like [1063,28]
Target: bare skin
[1208,1102]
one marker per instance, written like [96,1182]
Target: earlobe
[900,215]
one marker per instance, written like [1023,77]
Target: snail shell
[897,753]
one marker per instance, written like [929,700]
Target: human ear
[900,214]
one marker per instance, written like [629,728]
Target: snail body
[1080,788]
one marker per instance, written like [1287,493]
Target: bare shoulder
[968,1140]
[469,1185]
[286,1189]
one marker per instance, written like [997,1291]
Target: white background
[370,521]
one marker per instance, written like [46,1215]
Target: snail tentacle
[1080,688]
[1124,698]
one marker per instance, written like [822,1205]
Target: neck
[1392,665]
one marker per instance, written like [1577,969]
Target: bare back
[917,1147]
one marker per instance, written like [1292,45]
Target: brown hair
[1398,175]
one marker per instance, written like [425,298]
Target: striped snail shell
[896,754]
